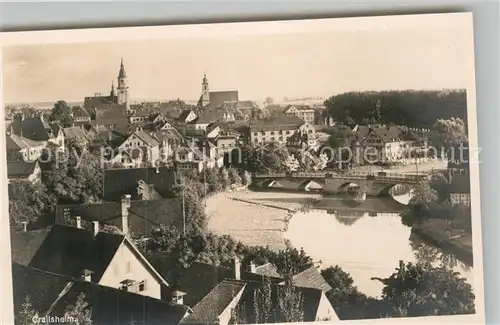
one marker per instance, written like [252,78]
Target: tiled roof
[310,301]
[68,250]
[94,101]
[267,269]
[183,115]
[20,169]
[209,115]
[277,122]
[118,182]
[208,310]
[80,112]
[146,137]
[112,114]
[200,278]
[460,184]
[24,245]
[144,216]
[311,278]
[109,306]
[32,128]
[389,134]
[76,133]
[217,98]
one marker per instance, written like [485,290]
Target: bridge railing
[350,175]
[311,174]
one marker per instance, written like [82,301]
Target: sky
[258,66]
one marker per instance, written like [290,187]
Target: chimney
[237,268]
[125,207]
[96,227]
[87,275]
[253,268]
[79,222]
[178,297]
[25,226]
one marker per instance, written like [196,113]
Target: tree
[449,135]
[72,173]
[29,202]
[321,162]
[80,313]
[234,177]
[439,183]
[269,101]
[423,198]
[263,303]
[61,112]
[341,137]
[423,290]
[290,302]
[291,164]
[27,314]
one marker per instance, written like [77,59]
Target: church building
[215,99]
[120,97]
[111,110]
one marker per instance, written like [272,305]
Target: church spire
[122,73]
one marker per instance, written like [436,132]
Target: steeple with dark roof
[122,89]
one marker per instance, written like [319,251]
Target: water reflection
[425,253]
[366,239]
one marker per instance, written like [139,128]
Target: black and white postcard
[322,170]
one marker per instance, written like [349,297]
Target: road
[410,168]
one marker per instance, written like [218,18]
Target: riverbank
[255,218]
[442,234]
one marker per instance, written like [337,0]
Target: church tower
[122,88]
[205,92]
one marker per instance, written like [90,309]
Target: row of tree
[411,108]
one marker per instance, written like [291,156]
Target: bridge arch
[310,185]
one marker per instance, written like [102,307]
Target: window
[129,267]
[272,132]
[142,285]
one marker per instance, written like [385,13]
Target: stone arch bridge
[379,184]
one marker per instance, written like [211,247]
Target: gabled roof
[144,216]
[208,310]
[146,137]
[217,98]
[276,122]
[118,182]
[80,112]
[184,115]
[268,270]
[76,133]
[34,128]
[20,169]
[311,278]
[68,250]
[109,306]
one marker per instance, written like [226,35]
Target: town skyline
[371,60]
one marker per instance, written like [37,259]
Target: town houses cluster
[147,144]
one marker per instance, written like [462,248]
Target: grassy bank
[445,235]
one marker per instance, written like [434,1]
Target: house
[275,129]
[19,148]
[140,116]
[50,294]
[459,189]
[202,124]
[118,182]
[37,129]
[136,217]
[25,171]
[78,134]
[305,113]
[113,116]
[217,293]
[80,115]
[192,158]
[383,144]
[186,116]
[142,146]
[110,260]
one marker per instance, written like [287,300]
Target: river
[365,239]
